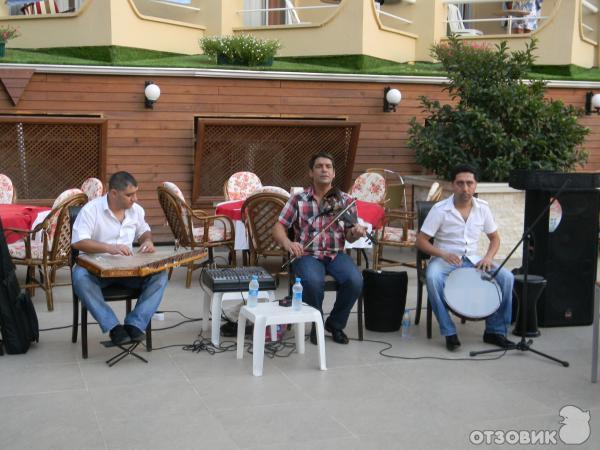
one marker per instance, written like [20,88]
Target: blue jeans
[312,272]
[437,272]
[89,287]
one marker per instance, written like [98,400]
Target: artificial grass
[345,64]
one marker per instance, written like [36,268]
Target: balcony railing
[508,18]
[265,16]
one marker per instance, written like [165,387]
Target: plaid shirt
[308,217]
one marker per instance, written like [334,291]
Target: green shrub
[241,49]
[498,122]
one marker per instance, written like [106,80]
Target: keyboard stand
[126,350]
[213,301]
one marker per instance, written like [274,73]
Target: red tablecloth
[18,216]
[369,212]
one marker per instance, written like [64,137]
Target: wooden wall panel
[158,144]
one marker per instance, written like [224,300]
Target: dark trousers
[312,272]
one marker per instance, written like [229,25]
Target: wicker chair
[195,228]
[260,212]
[52,251]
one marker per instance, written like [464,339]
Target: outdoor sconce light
[391,98]
[151,92]
[592,101]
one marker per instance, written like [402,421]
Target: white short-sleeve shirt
[96,221]
[452,234]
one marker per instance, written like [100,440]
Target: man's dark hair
[321,154]
[120,181]
[464,168]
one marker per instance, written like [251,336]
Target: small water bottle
[297,295]
[406,323]
[253,292]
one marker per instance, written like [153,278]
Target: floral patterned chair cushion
[369,187]
[215,233]
[394,234]
[93,188]
[241,184]
[174,189]
[17,250]
[6,190]
[272,190]
[65,196]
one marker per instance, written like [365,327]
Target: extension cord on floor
[158,315]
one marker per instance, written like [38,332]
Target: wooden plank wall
[158,144]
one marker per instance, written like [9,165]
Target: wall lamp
[151,92]
[592,101]
[391,99]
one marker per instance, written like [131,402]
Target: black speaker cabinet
[385,298]
[564,246]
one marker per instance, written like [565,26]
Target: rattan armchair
[49,253]
[260,212]
[195,228]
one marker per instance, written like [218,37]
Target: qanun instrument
[236,279]
[139,264]
[472,294]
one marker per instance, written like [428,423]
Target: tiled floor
[50,398]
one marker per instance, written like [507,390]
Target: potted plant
[240,49]
[499,122]
[7,33]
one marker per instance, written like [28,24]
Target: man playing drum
[110,224]
[456,224]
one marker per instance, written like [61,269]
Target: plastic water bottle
[406,323]
[297,295]
[253,292]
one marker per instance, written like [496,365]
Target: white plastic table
[213,302]
[266,314]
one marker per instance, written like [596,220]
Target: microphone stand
[523,344]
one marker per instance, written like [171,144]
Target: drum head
[470,296]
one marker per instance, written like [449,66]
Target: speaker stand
[525,345]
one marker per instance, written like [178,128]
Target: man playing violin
[456,224]
[311,215]
[110,224]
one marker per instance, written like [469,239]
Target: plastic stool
[266,314]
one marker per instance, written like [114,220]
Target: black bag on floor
[18,320]
[384,294]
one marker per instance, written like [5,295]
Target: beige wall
[351,28]
[89,26]
[385,42]
[329,38]
[131,29]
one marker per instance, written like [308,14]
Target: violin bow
[327,227]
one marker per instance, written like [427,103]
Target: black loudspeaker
[384,295]
[564,245]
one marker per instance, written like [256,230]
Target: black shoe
[135,333]
[119,336]
[498,340]
[452,342]
[336,334]
[313,335]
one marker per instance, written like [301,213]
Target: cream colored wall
[341,35]
[429,16]
[559,38]
[131,29]
[178,13]
[385,42]
[90,26]
[222,17]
